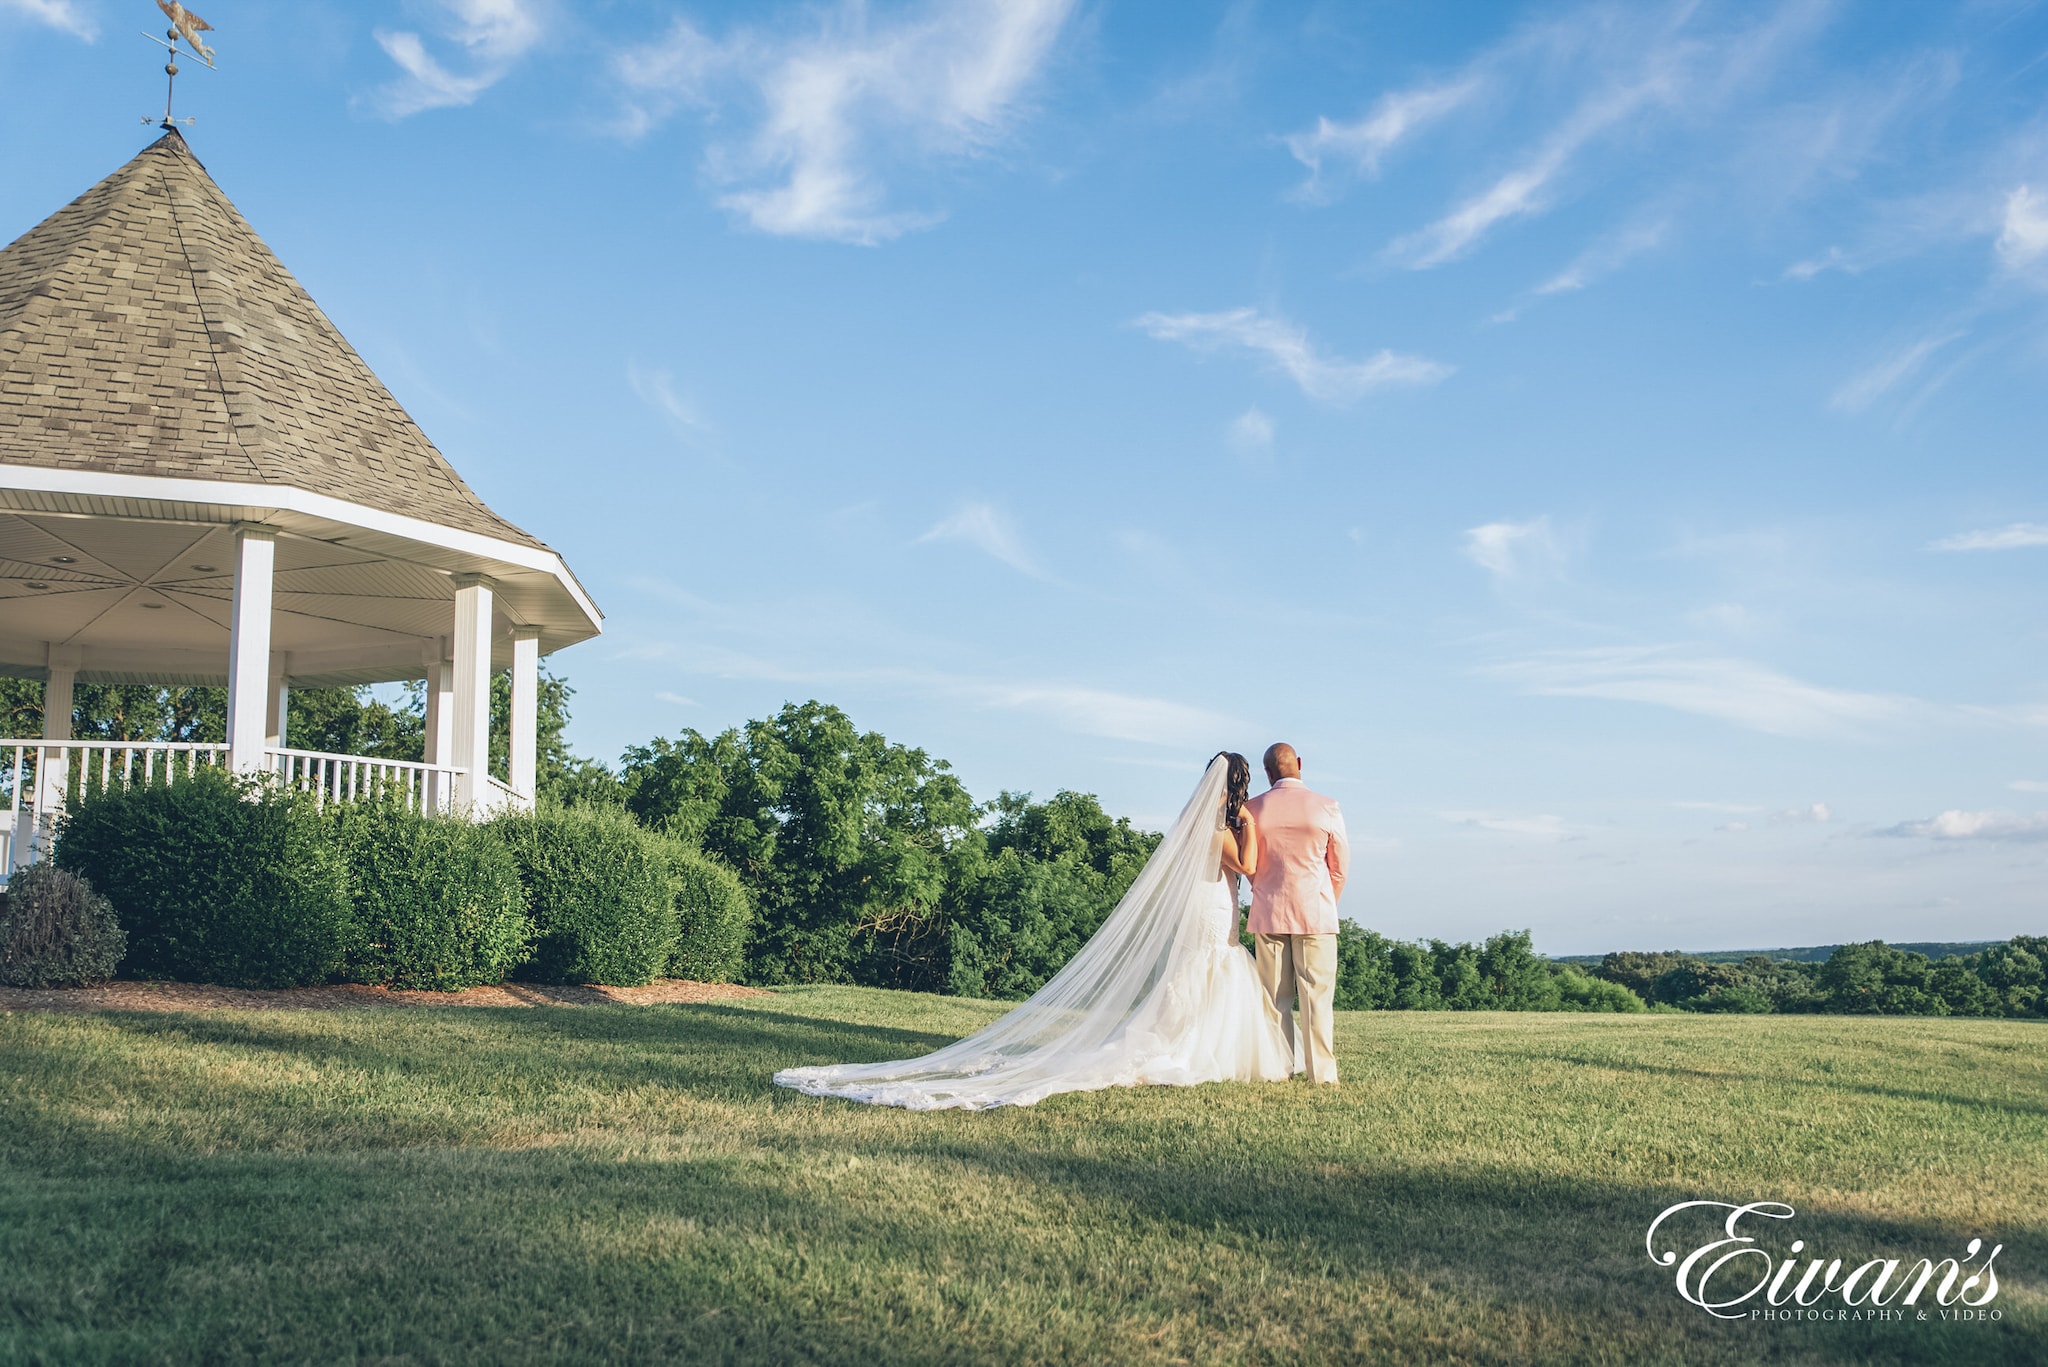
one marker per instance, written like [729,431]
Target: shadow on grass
[1833,1082]
[558,1256]
[687,1046]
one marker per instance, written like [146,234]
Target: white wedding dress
[1163,993]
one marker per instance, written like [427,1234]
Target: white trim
[228,494]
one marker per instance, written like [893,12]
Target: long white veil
[1082,1030]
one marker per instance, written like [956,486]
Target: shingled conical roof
[146,330]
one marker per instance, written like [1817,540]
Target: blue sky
[1607,440]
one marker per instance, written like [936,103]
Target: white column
[525,738]
[278,700]
[470,708]
[249,648]
[57,693]
[57,704]
[439,745]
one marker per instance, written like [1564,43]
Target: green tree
[843,839]
[1638,970]
[2015,972]
[353,721]
[133,712]
[1460,984]
[1874,978]
[1515,978]
[1365,969]
[1696,985]
[1022,902]
[1416,984]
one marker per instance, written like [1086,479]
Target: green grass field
[622,1184]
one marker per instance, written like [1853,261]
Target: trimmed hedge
[436,901]
[215,880]
[600,892]
[713,918]
[58,932]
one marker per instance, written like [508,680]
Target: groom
[1302,860]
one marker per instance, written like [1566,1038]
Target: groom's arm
[1338,853]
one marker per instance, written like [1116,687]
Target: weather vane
[187,25]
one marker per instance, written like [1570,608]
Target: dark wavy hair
[1237,786]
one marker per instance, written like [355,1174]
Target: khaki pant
[1302,968]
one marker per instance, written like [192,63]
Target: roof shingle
[146,329]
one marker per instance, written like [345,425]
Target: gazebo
[201,482]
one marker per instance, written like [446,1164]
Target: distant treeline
[1803,954]
[2008,979]
[1505,973]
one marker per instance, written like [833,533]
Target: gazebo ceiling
[164,378]
[146,600]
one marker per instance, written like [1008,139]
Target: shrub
[436,901]
[599,891]
[713,918]
[58,932]
[1578,990]
[214,879]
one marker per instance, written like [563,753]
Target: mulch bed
[121,996]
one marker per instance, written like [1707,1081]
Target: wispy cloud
[1525,190]
[492,35]
[1741,692]
[839,104]
[1330,379]
[2023,236]
[58,14]
[1833,259]
[1645,72]
[676,698]
[832,639]
[656,388]
[1958,825]
[1360,144]
[1511,550]
[1098,712]
[1867,388]
[2028,785]
[1251,435]
[2014,537]
[1543,827]
[981,526]
[1606,257]
[1817,813]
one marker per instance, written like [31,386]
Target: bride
[1163,993]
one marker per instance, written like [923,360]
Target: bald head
[1281,762]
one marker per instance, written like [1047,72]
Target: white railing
[499,796]
[38,775]
[343,778]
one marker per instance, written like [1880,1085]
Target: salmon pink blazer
[1303,857]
